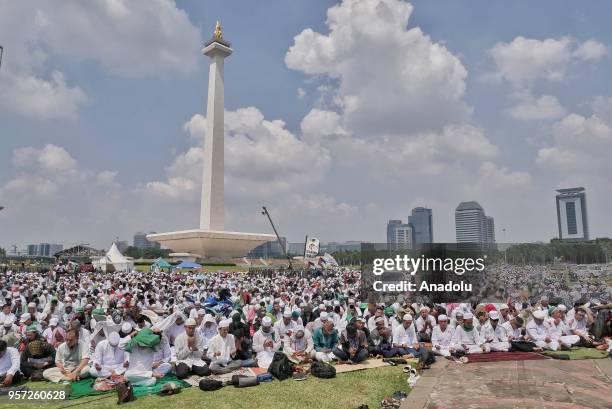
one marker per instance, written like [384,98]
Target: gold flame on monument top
[218,34]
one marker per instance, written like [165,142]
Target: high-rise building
[473,226]
[572,214]
[391,226]
[399,235]
[421,221]
[141,242]
[44,249]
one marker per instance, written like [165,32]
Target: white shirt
[490,334]
[404,336]
[186,355]
[9,363]
[461,336]
[537,332]
[510,331]
[108,355]
[226,346]
[442,338]
[260,337]
[420,323]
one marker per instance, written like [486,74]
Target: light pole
[1,52]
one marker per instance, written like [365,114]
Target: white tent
[116,259]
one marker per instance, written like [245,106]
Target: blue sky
[377,116]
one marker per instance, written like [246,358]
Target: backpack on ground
[322,370]
[210,384]
[281,368]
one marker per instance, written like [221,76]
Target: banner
[311,249]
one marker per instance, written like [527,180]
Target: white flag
[312,247]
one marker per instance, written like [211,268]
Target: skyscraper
[141,242]
[572,214]
[399,235]
[421,221]
[473,226]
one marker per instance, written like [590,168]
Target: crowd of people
[141,326]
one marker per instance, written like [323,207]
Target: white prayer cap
[266,321]
[208,318]
[561,307]
[45,292]
[503,307]
[321,306]
[323,316]
[126,327]
[407,317]
[226,323]
[544,298]
[113,338]
[67,299]
[190,322]
[32,305]
[494,315]
[468,316]
[361,319]
[53,321]
[459,313]
[379,319]
[202,311]
[287,313]
[336,302]
[424,308]
[442,317]
[25,317]
[539,314]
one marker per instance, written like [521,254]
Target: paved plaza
[523,384]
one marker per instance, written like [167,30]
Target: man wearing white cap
[405,338]
[493,334]
[559,330]
[284,326]
[108,358]
[424,324]
[265,343]
[539,333]
[189,348]
[318,323]
[504,314]
[466,338]
[222,351]
[441,337]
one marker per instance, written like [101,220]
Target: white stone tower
[212,204]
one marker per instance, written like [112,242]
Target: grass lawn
[345,391]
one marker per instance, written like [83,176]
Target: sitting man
[405,338]
[382,338]
[579,325]
[37,355]
[299,347]
[142,346]
[9,365]
[441,337]
[494,334]
[189,347]
[353,346]
[222,351]
[466,338]
[71,360]
[514,329]
[560,331]
[265,343]
[424,325]
[539,333]
[325,340]
[109,360]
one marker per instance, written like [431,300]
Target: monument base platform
[211,244]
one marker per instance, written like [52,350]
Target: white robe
[187,356]
[109,358]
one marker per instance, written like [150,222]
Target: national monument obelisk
[211,240]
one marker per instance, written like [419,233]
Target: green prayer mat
[579,353]
[84,387]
